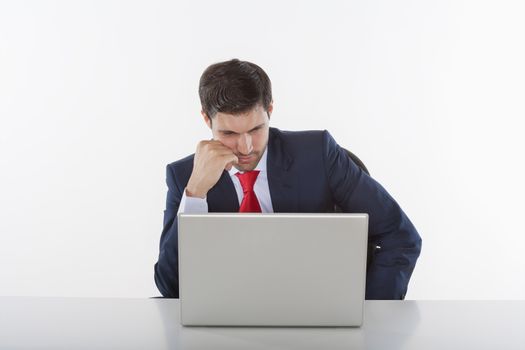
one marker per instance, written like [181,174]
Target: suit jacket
[307,173]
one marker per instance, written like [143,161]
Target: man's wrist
[194,193]
[192,205]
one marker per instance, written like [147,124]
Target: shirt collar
[261,166]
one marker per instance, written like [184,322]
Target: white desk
[79,323]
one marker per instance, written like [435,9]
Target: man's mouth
[245,159]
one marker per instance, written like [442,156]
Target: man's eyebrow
[257,127]
[227,131]
[233,132]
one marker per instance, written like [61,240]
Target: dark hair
[234,87]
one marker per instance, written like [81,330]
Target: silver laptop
[241,269]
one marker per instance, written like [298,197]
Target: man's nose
[244,145]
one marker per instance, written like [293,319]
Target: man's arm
[167,268]
[389,227]
[210,160]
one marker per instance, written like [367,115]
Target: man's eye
[254,130]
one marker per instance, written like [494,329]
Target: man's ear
[207,120]
[270,109]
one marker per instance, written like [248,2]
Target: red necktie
[250,203]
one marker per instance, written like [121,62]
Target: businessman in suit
[250,167]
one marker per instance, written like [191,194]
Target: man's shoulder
[183,165]
[298,136]
[302,140]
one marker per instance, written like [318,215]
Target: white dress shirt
[195,205]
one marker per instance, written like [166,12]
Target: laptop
[244,269]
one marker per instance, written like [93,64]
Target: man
[250,167]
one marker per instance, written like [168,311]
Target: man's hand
[211,159]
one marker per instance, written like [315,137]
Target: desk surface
[81,323]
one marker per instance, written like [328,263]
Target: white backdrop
[96,97]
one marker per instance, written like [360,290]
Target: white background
[96,97]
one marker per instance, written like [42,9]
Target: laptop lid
[238,269]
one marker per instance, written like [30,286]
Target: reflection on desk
[81,323]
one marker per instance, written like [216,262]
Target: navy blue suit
[307,173]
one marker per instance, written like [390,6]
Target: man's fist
[211,159]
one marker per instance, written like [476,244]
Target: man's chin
[245,167]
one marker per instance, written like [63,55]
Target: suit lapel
[283,189]
[222,197]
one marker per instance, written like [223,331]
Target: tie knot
[247,180]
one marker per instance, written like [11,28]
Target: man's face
[246,134]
